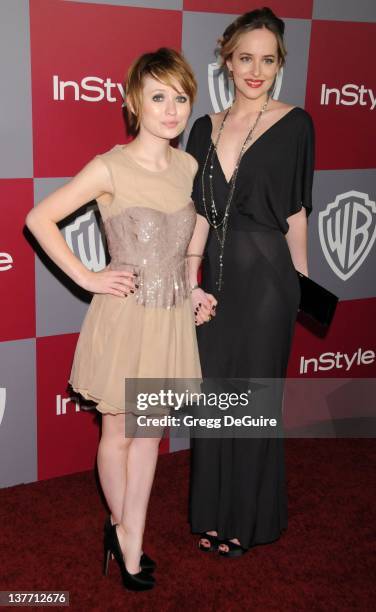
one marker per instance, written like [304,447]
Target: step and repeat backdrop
[62,65]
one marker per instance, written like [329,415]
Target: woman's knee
[113,431]
[147,444]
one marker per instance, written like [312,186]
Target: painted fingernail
[132,291]
[137,286]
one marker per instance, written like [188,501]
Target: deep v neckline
[250,146]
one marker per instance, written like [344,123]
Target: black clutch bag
[316,301]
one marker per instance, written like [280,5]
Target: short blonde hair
[165,65]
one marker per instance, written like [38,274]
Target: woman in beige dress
[140,322]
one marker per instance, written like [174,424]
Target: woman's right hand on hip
[114,282]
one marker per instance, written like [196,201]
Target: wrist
[198,255]
[194,287]
[81,276]
[192,278]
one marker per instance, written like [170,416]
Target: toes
[224,548]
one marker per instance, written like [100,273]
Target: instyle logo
[329,361]
[3,396]
[62,403]
[347,230]
[6,262]
[349,95]
[85,240]
[89,89]
[221,89]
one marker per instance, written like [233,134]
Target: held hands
[204,305]
[114,282]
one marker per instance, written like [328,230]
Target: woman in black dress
[256,166]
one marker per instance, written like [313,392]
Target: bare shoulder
[279,108]
[217,118]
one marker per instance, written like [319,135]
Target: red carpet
[52,540]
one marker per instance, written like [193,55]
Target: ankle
[129,532]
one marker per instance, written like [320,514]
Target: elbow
[30,220]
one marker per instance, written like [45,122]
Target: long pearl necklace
[220,225]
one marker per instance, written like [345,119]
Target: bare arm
[297,240]
[91,183]
[203,303]
[196,247]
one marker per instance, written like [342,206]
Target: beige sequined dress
[150,334]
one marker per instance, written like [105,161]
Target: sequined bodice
[153,244]
[149,224]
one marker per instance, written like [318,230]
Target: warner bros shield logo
[3,396]
[347,230]
[221,88]
[84,237]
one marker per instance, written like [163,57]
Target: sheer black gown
[238,485]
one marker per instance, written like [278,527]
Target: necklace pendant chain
[211,211]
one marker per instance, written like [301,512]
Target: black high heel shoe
[142,581]
[146,563]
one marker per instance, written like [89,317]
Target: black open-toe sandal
[213,540]
[234,550]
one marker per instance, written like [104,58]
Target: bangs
[166,66]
